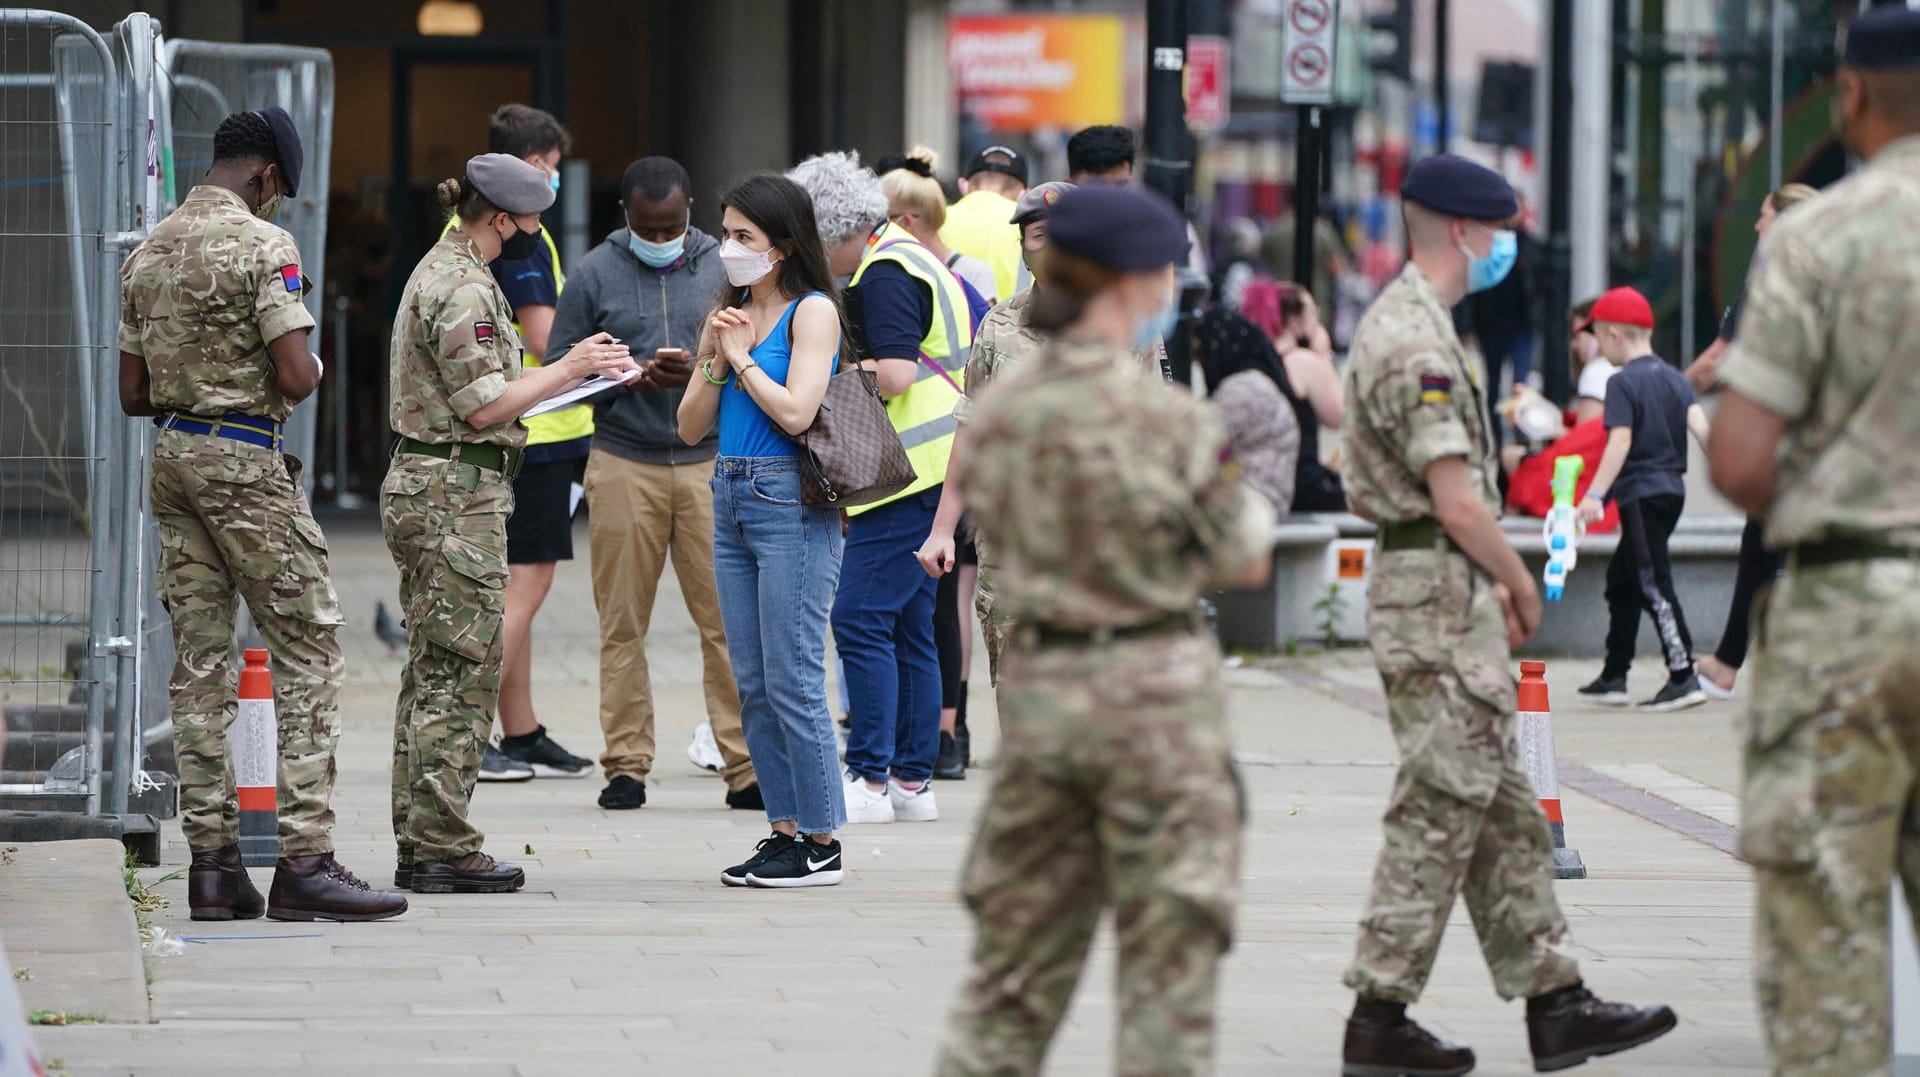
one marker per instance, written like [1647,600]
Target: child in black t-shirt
[1649,412]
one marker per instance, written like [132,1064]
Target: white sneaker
[913,805]
[866,804]
[704,752]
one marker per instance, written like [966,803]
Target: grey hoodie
[647,308]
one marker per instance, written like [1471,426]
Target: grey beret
[510,183]
[1034,204]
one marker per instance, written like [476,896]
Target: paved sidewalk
[625,955]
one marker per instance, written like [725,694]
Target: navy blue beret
[1458,187]
[1118,228]
[286,146]
[1884,37]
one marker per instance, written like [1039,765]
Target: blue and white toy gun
[1563,528]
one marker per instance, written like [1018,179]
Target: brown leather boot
[1382,1041]
[1569,1026]
[218,887]
[318,887]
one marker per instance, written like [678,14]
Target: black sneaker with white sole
[1679,694]
[496,766]
[770,846]
[804,863]
[1608,689]
[545,756]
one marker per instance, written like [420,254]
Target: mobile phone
[673,356]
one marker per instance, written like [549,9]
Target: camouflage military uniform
[1004,342]
[1462,815]
[454,351]
[201,299]
[1831,800]
[1115,505]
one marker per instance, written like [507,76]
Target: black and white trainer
[496,766]
[804,863]
[770,846]
[545,756]
[1679,693]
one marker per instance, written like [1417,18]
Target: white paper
[585,389]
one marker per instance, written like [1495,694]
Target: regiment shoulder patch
[1435,389]
[290,276]
[483,332]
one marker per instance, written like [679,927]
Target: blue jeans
[776,563]
[883,629]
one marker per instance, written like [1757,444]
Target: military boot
[218,887]
[1382,1041]
[318,887]
[474,873]
[1569,1026]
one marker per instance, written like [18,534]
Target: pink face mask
[745,266]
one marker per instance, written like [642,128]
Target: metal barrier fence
[101,136]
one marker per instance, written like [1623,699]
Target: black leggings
[1758,567]
[946,638]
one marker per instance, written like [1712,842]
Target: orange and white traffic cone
[254,743]
[1536,747]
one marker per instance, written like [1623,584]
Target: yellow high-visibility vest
[555,426]
[923,415]
[980,226]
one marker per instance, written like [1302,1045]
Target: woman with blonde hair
[918,204]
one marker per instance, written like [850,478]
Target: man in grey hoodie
[652,285]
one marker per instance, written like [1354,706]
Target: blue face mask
[657,255]
[1157,328]
[1484,273]
[555,181]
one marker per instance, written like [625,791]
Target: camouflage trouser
[1116,790]
[996,625]
[1831,805]
[233,523]
[446,526]
[1462,815]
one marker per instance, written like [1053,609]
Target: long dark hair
[783,210]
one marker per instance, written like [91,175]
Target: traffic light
[1390,49]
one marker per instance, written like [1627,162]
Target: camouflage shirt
[202,298]
[454,349]
[1411,400]
[1828,342]
[1112,501]
[1003,340]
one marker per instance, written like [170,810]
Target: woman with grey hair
[910,325]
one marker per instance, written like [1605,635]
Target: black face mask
[520,246]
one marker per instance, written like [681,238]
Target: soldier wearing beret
[1447,600]
[1113,502]
[1818,434]
[458,391]
[213,345]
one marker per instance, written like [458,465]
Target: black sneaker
[623,793]
[403,872]
[1608,689]
[770,846]
[1680,693]
[951,764]
[747,799]
[804,863]
[497,767]
[474,873]
[545,756]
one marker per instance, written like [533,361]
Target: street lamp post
[1169,156]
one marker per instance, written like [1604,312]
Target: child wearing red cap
[1650,410]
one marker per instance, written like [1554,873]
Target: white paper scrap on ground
[591,387]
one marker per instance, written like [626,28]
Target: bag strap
[923,260]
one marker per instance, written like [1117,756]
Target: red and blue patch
[290,276]
[1435,389]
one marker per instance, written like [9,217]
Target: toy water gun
[1563,527]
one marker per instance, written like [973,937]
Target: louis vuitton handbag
[852,456]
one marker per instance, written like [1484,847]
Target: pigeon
[391,634]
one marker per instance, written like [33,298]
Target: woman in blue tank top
[761,373]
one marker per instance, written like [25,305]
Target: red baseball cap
[1621,306]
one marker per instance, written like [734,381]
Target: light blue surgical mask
[554,180]
[1156,328]
[1484,273]
[657,255]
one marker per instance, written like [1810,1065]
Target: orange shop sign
[1020,72]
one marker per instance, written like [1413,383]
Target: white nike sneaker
[704,752]
[913,805]
[866,804]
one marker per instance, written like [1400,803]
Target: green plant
[1331,607]
[60,1017]
[22,974]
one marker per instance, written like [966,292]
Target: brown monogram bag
[852,456]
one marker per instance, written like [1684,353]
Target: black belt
[492,457]
[1173,624]
[1422,534]
[1838,551]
